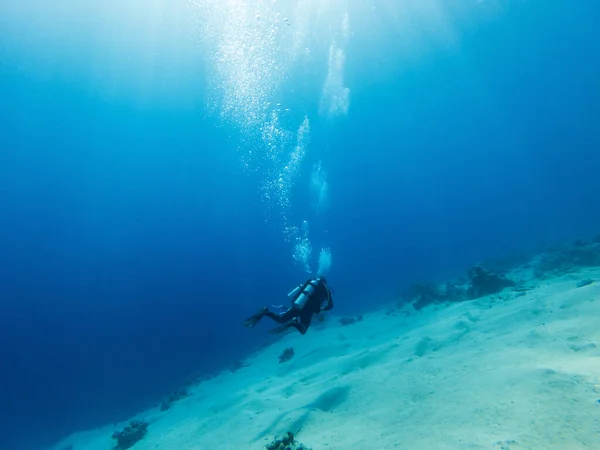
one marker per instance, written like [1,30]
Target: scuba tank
[293,291]
[305,290]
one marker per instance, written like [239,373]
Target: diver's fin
[255,318]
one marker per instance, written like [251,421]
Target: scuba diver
[311,297]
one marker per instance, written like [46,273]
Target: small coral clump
[286,443]
[287,354]
[131,434]
[174,397]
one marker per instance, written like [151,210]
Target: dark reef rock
[552,263]
[287,354]
[584,255]
[286,443]
[175,396]
[565,258]
[131,434]
[488,278]
[485,282]
[426,293]
[481,281]
[583,283]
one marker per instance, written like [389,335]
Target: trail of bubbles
[335,97]
[250,48]
[280,181]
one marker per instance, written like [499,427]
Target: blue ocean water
[168,167]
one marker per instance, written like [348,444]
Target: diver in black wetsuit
[311,297]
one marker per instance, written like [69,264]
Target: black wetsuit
[319,300]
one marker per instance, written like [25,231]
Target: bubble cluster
[319,188]
[284,173]
[324,261]
[241,45]
[303,248]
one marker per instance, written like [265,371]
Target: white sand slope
[500,372]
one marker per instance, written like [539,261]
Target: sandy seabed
[508,371]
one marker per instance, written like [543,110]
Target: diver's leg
[283,317]
[292,319]
[303,323]
[279,318]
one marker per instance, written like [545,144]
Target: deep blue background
[132,242]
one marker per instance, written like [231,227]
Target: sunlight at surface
[144,49]
[131,49]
